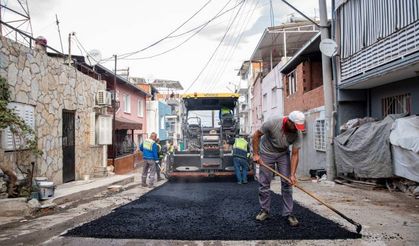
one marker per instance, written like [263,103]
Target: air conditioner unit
[103,98]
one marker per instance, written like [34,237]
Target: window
[265,102]
[274,98]
[140,108]
[291,83]
[25,112]
[127,104]
[320,135]
[399,104]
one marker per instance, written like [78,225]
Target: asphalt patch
[207,211]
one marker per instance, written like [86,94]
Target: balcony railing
[397,45]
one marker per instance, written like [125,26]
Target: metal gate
[69,167]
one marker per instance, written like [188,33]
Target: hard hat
[298,118]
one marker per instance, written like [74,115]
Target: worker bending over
[271,145]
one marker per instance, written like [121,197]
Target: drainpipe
[328,94]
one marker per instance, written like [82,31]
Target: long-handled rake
[358,226]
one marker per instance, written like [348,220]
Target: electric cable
[216,49]
[168,35]
[177,46]
[234,47]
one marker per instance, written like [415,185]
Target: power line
[218,15]
[186,40]
[168,35]
[216,49]
[211,67]
[234,47]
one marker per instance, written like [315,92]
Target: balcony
[397,55]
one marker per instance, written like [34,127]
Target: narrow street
[173,122]
[206,211]
[222,213]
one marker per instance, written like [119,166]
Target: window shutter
[27,113]
[105,129]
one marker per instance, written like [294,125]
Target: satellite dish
[94,56]
[328,47]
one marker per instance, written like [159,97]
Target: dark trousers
[265,177]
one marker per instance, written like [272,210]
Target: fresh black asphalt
[207,211]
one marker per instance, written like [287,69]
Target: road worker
[151,159]
[225,112]
[158,164]
[271,145]
[240,159]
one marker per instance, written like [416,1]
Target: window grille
[320,135]
[399,104]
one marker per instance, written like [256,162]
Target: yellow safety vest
[225,111]
[160,153]
[148,144]
[240,143]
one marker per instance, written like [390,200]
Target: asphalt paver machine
[210,123]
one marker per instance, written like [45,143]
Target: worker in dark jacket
[151,158]
[161,155]
[240,156]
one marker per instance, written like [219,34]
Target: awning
[125,124]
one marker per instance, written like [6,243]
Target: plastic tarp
[365,150]
[404,138]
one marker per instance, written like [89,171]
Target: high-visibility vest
[171,149]
[225,111]
[148,144]
[160,152]
[240,148]
[241,144]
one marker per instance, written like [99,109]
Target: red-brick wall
[309,75]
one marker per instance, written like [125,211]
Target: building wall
[311,102]
[256,101]
[133,116]
[271,87]
[152,117]
[309,157]
[134,97]
[394,89]
[307,75]
[164,110]
[50,86]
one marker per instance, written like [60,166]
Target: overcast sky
[118,27]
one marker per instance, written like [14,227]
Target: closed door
[69,166]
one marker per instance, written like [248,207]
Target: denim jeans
[240,168]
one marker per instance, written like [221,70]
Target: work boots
[292,220]
[262,215]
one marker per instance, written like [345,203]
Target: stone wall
[51,87]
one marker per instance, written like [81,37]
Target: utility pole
[114,115]
[59,32]
[69,47]
[328,95]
